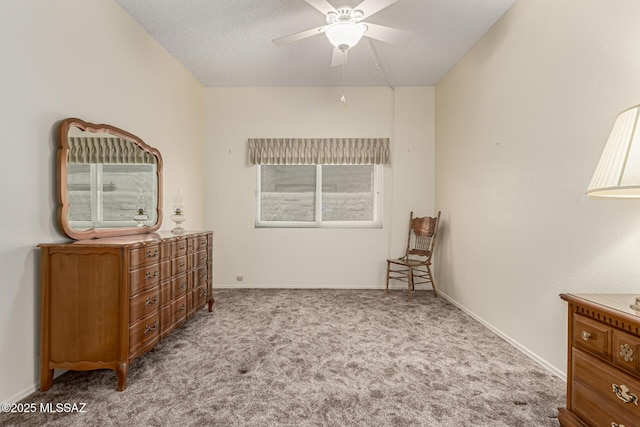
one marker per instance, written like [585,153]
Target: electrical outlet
[239,278]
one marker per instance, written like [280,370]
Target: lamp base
[178,230]
[178,218]
[636,306]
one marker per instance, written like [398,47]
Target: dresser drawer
[144,304]
[199,297]
[143,255]
[198,259]
[626,351]
[591,336]
[593,413]
[619,390]
[144,334]
[180,309]
[199,243]
[144,278]
[179,265]
[200,276]
[179,286]
[181,247]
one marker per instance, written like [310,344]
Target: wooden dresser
[603,368]
[106,301]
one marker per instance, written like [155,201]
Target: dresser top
[614,302]
[133,239]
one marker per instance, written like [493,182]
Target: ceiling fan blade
[387,34]
[369,7]
[299,36]
[322,5]
[339,57]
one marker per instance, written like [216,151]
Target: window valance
[107,150]
[318,151]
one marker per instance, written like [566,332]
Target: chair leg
[409,284]
[433,283]
[388,268]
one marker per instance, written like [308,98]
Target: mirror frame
[63,201]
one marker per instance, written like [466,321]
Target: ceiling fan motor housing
[344,14]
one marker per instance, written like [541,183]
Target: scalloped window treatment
[107,150]
[319,151]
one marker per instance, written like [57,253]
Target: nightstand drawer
[591,336]
[626,351]
[619,390]
[594,413]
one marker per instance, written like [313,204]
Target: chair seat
[409,262]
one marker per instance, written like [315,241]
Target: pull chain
[343,99]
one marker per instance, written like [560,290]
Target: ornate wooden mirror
[109,181]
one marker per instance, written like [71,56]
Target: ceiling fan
[345,27]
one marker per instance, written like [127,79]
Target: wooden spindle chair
[415,266]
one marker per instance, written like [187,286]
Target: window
[319,195]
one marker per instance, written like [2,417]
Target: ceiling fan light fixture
[345,35]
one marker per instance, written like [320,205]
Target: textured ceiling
[229,42]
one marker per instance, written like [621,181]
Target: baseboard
[280,286]
[24,393]
[32,389]
[540,361]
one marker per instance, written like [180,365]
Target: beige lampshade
[618,172]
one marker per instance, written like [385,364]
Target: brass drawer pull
[181,308]
[150,328]
[150,300]
[203,293]
[150,276]
[614,424]
[181,248]
[203,275]
[182,285]
[626,353]
[182,264]
[586,335]
[622,391]
[150,254]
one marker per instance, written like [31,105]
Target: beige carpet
[316,358]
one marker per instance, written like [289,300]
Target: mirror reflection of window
[108,195]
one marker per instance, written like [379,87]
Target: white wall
[520,125]
[86,59]
[349,258]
